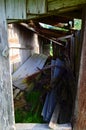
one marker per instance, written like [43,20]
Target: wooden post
[81,95]
[6,95]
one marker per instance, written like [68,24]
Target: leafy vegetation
[33,114]
[77,24]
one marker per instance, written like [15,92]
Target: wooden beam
[81,95]
[6,95]
[50,35]
[65,37]
[61,5]
[53,19]
[73,14]
[13,21]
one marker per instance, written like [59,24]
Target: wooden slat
[16,9]
[47,34]
[54,118]
[62,4]
[36,6]
[30,66]
[6,102]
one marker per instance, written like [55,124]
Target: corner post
[6,91]
[81,92]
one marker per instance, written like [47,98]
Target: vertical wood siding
[36,6]
[16,9]
[6,96]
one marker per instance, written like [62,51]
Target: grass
[33,114]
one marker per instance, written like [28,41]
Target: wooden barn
[34,33]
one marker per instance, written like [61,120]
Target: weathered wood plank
[30,66]
[6,102]
[62,4]
[15,9]
[32,126]
[2,12]
[54,118]
[36,6]
[30,9]
[38,126]
[81,95]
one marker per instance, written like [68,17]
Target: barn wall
[15,9]
[23,43]
[6,93]
[27,38]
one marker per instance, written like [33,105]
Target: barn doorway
[56,54]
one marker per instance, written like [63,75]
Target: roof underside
[30,9]
[51,12]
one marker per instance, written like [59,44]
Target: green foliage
[20,115]
[51,49]
[77,24]
[33,115]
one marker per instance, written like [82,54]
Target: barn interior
[46,76]
[45,59]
